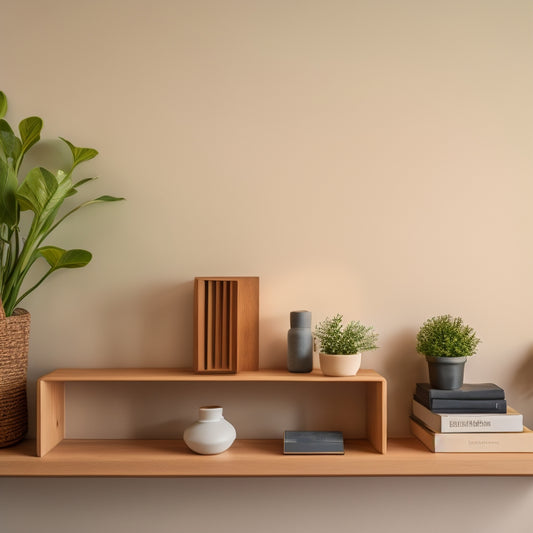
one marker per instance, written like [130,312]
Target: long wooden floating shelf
[52,455]
[250,458]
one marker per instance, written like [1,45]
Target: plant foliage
[350,339]
[444,336]
[41,193]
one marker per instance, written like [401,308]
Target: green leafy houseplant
[445,336]
[41,193]
[336,339]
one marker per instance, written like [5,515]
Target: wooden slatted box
[226,324]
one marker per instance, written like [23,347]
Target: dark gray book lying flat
[444,405]
[469,391]
[313,442]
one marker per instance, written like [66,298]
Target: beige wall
[371,158]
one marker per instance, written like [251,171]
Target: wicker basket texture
[14,343]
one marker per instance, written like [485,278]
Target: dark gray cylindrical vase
[300,342]
[446,372]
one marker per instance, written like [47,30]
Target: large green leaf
[59,258]
[80,154]
[49,213]
[8,201]
[43,193]
[9,142]
[30,132]
[36,193]
[36,190]
[3,104]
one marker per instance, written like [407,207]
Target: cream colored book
[512,421]
[473,442]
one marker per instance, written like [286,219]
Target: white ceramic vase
[340,365]
[211,434]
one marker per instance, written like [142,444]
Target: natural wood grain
[247,324]
[224,327]
[376,412]
[185,374]
[52,409]
[213,316]
[232,317]
[218,326]
[209,337]
[50,415]
[199,326]
[171,458]
[263,458]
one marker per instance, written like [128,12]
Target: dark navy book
[449,405]
[313,442]
[469,391]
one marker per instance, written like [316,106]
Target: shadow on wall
[403,368]
[273,351]
[49,153]
[523,378]
[151,328]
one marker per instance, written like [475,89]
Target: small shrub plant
[446,336]
[337,339]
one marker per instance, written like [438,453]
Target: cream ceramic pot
[340,365]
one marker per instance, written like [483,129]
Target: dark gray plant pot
[446,372]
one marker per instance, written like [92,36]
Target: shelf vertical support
[50,415]
[376,392]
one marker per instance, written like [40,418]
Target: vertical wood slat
[214,325]
[203,316]
[224,363]
[218,325]
[209,322]
[233,325]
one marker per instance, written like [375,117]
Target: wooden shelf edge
[251,458]
[187,374]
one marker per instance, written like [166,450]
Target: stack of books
[474,418]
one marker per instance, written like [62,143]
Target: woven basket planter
[14,342]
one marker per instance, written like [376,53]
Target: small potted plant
[446,342]
[341,346]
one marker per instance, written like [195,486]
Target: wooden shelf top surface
[251,458]
[177,374]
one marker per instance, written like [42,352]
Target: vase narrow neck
[210,413]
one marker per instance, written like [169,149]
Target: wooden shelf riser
[51,394]
[50,415]
[376,412]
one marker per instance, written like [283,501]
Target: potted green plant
[341,345]
[29,213]
[446,342]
